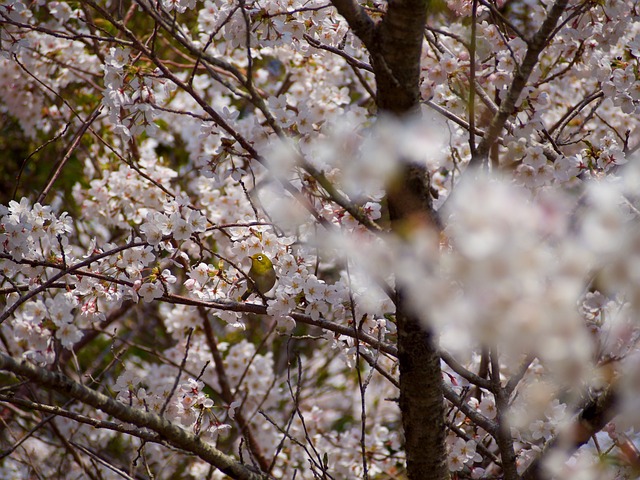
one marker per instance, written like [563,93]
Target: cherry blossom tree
[449,193]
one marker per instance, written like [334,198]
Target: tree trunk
[395,46]
[397,68]
[421,391]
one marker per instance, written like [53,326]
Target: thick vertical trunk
[421,391]
[395,46]
[421,400]
[396,56]
[396,64]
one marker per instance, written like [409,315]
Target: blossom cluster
[235,128]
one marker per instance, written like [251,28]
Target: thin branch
[77,417]
[227,393]
[484,450]
[73,451]
[476,417]
[572,112]
[176,382]
[74,144]
[454,118]
[350,60]
[595,414]
[51,140]
[471,103]
[498,14]
[222,304]
[9,311]
[63,35]
[464,373]
[376,365]
[362,386]
[98,458]
[358,19]
[173,434]
[503,437]
[535,46]
[520,373]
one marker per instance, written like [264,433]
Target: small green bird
[262,274]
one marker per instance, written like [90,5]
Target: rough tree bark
[394,44]
[421,389]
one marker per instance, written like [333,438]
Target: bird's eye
[259,258]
